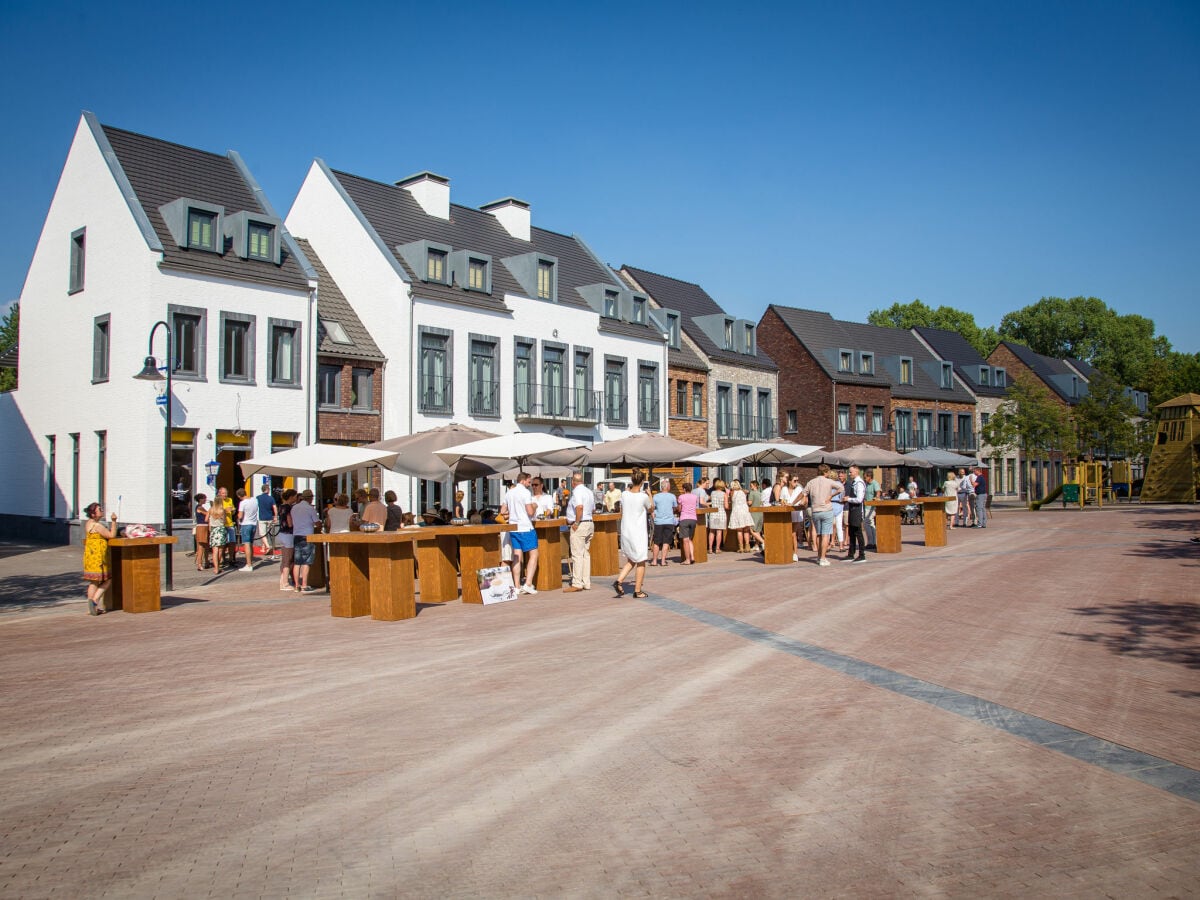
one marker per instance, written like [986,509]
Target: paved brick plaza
[747,731]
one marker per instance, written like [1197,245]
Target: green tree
[1104,419]
[1031,420]
[8,339]
[919,314]
[1086,328]
[1172,373]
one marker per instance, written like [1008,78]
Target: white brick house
[485,319]
[141,230]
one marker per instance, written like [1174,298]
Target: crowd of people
[829,514]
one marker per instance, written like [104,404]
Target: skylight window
[336,332]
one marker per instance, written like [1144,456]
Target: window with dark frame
[906,370]
[648,412]
[860,419]
[545,279]
[435,266]
[877,419]
[843,417]
[584,399]
[477,274]
[612,309]
[236,352]
[866,364]
[523,376]
[434,373]
[845,360]
[202,230]
[724,410]
[100,349]
[285,360]
[187,343]
[681,398]
[639,310]
[329,386]
[697,400]
[362,388]
[614,392]
[258,241]
[793,424]
[483,378]
[78,254]
[947,375]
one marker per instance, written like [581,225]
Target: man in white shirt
[856,495]
[520,509]
[580,510]
[247,516]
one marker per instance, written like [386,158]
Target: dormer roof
[1056,374]
[160,173]
[826,338]
[694,305]
[953,347]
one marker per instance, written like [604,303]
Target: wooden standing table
[700,538]
[777,534]
[135,568]
[887,522]
[604,543]
[478,548]
[370,573]
[437,562]
[548,576]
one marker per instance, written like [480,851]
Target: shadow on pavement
[41,591]
[1168,632]
[1176,548]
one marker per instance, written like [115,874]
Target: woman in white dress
[635,537]
[718,520]
[950,489]
[740,519]
[793,495]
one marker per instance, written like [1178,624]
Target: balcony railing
[615,410]
[436,394]
[484,398]
[916,439]
[732,427]
[555,403]
[648,413]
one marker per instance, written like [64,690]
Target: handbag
[201,534]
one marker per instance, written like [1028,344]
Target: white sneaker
[822,562]
[528,589]
[795,557]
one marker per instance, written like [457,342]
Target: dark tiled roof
[161,172]
[1086,369]
[953,347]
[693,301]
[686,358]
[825,337]
[399,219]
[1054,373]
[333,306]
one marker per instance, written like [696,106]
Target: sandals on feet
[619,588]
[641,595]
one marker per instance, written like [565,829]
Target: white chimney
[431,191]
[513,214]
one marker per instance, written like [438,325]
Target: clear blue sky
[826,155]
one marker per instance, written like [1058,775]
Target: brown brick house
[842,383]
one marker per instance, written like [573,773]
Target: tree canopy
[1030,420]
[919,314]
[8,338]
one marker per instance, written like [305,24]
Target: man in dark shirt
[268,514]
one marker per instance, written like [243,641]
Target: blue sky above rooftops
[833,156]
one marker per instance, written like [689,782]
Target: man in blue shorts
[520,509]
[247,516]
[820,501]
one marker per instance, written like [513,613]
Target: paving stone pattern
[748,731]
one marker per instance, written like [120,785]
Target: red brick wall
[343,425]
[804,387]
[1009,361]
[693,431]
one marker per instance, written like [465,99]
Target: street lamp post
[150,373]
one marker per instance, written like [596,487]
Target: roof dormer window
[985,376]
[201,230]
[435,265]
[547,280]
[673,330]
[729,334]
[477,274]
[947,375]
[259,237]
[1001,378]
[906,370]
[866,363]
[845,360]
[639,310]
[748,337]
[612,305]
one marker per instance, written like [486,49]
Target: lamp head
[149,371]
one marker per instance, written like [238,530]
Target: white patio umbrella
[316,461]
[760,453]
[866,455]
[509,450]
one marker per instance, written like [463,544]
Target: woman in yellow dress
[95,556]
